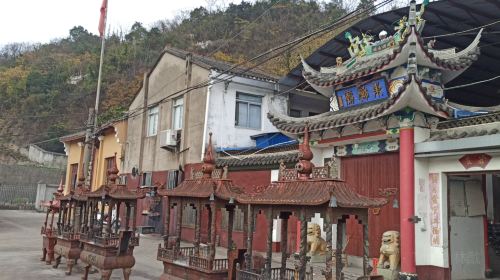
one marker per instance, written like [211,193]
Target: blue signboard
[364,93]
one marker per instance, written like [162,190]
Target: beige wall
[168,77]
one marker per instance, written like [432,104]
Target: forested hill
[45,89]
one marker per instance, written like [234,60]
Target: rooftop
[443,19]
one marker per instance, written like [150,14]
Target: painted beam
[479,142]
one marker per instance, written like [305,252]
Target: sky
[44,20]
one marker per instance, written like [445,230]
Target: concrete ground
[21,243]
[20,251]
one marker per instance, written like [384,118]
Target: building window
[248,110]
[74,175]
[295,113]
[177,113]
[123,179]
[146,179]
[109,163]
[174,178]
[153,121]
[313,114]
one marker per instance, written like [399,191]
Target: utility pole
[89,143]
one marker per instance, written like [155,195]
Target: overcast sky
[44,20]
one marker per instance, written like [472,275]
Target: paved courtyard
[21,242]
[20,250]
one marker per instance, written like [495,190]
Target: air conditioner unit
[168,138]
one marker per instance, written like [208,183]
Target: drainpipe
[144,123]
[187,98]
[205,124]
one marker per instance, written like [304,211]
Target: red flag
[102,19]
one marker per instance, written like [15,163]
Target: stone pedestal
[407,276]
[317,258]
[388,274]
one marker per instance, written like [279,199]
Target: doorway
[473,201]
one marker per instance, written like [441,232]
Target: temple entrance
[473,203]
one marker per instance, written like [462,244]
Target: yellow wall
[107,148]
[75,153]
[113,139]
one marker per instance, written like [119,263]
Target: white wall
[425,253]
[222,110]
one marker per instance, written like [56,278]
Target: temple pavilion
[386,97]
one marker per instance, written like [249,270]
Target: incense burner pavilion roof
[307,185]
[207,183]
[311,192]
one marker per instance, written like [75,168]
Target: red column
[407,199]
[297,240]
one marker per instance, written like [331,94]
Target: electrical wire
[343,20]
[280,49]
[463,31]
[473,83]
[258,151]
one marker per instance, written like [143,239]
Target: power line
[226,41]
[343,20]
[463,31]
[473,83]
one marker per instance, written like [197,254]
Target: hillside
[45,89]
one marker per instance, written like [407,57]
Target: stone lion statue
[389,251]
[315,243]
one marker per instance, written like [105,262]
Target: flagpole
[93,127]
[98,94]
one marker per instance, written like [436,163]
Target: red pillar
[297,240]
[407,199]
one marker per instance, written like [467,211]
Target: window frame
[109,163]
[144,179]
[174,107]
[237,122]
[73,175]
[153,112]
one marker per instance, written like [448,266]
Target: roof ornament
[208,160]
[304,166]
[382,35]
[60,189]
